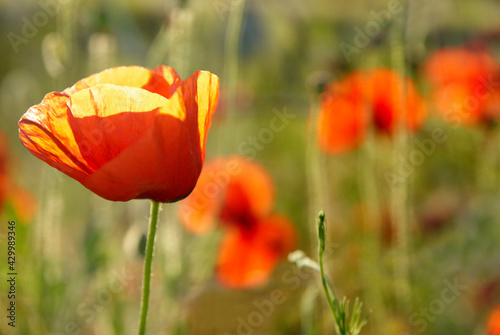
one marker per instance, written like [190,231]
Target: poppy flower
[342,119]
[238,195]
[21,201]
[379,97]
[3,168]
[461,81]
[126,132]
[493,322]
[392,97]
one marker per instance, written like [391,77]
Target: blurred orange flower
[380,97]
[239,195]
[493,322]
[21,201]
[464,85]
[127,132]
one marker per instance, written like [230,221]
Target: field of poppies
[235,167]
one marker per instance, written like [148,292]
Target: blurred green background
[78,259]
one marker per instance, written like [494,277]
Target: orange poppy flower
[391,97]
[239,195]
[341,124]
[493,322]
[451,65]
[380,95]
[127,132]
[3,168]
[21,201]
[461,80]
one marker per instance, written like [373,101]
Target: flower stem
[146,281]
[334,304]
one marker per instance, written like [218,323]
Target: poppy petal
[125,132]
[100,115]
[163,164]
[201,93]
[251,189]
[247,258]
[450,101]
[199,211]
[493,322]
[157,81]
[44,130]
[229,188]
[341,124]
[393,98]
[448,65]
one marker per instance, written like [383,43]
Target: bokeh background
[79,259]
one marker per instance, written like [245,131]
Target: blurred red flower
[493,322]
[20,201]
[380,97]
[239,195]
[464,87]
[127,132]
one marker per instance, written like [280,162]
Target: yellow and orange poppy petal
[247,257]
[45,131]
[161,160]
[341,124]
[157,81]
[200,93]
[107,119]
[230,189]
[169,75]
[123,142]
[493,322]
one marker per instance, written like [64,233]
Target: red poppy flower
[21,201]
[391,97]
[127,132]
[3,168]
[239,195]
[461,79]
[493,322]
[379,95]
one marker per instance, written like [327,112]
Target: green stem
[333,303]
[371,269]
[146,281]
[327,291]
[399,193]
[231,54]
